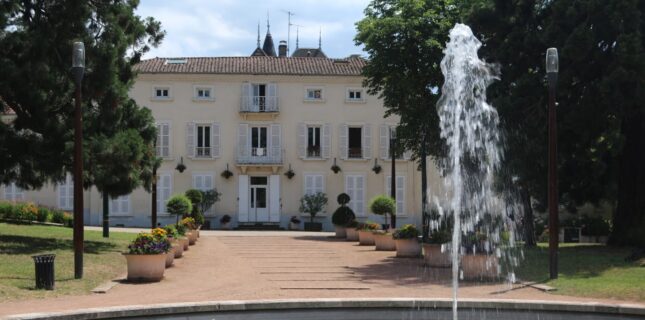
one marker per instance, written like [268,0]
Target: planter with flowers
[365,233]
[435,251]
[294,223]
[479,262]
[191,229]
[175,240]
[352,231]
[146,256]
[159,233]
[183,238]
[383,241]
[225,222]
[407,241]
[342,216]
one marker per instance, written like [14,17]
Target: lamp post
[393,175]
[554,228]
[78,69]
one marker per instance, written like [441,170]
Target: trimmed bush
[6,209]
[408,231]
[44,215]
[343,216]
[382,205]
[58,216]
[179,205]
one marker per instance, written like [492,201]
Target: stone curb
[256,305]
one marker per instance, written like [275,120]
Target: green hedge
[28,212]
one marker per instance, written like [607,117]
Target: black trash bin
[44,271]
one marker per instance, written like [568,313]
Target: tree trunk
[106,215]
[629,217]
[153,204]
[425,223]
[529,228]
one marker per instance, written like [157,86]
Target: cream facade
[259,125]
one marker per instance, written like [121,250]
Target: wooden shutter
[302,140]
[243,140]
[326,141]
[243,198]
[215,140]
[384,143]
[276,142]
[190,139]
[367,141]
[342,141]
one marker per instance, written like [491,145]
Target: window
[259,141]
[162,144]
[203,140]
[400,192]
[120,205]
[314,183]
[13,193]
[313,142]
[355,95]
[259,96]
[162,93]
[355,188]
[164,188]
[314,94]
[204,93]
[66,193]
[354,145]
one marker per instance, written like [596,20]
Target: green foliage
[171,231]
[343,199]
[209,198]
[439,236]
[198,217]
[343,216]
[58,216]
[147,243]
[408,231]
[383,205]
[179,205]
[181,229]
[368,226]
[195,196]
[44,215]
[313,203]
[68,219]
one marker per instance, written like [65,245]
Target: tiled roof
[255,65]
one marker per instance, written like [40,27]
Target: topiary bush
[408,231]
[343,216]
[382,205]
[179,205]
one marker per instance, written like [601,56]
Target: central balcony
[259,107]
[260,157]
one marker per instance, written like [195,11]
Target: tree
[210,197]
[601,117]
[196,197]
[35,55]
[313,203]
[382,205]
[179,205]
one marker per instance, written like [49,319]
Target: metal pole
[554,227]
[153,214]
[393,179]
[78,182]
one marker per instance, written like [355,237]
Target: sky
[199,28]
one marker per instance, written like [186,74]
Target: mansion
[277,122]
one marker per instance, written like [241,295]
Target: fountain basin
[351,309]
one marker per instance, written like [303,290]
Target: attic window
[176,61]
[341,61]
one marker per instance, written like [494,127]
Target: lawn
[102,259]
[587,271]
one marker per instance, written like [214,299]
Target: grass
[587,270]
[102,259]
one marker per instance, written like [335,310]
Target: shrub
[209,199]
[352,224]
[225,219]
[28,211]
[369,226]
[189,223]
[382,205]
[408,231]
[195,196]
[44,215]
[150,243]
[313,203]
[6,209]
[439,236]
[58,216]
[596,227]
[343,216]
[68,219]
[171,231]
[343,199]
[181,229]
[179,205]
[199,218]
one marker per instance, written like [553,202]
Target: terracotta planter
[225,225]
[352,234]
[145,267]
[294,226]
[408,247]
[170,257]
[434,257]
[184,242]
[192,237]
[480,267]
[340,232]
[365,238]
[384,242]
[178,248]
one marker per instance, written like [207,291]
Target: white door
[258,200]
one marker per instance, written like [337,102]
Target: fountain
[469,126]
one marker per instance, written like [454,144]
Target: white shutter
[309,184]
[164,188]
[243,199]
[243,140]
[275,141]
[384,143]
[360,195]
[165,140]
[342,141]
[367,141]
[215,140]
[274,198]
[198,182]
[326,141]
[247,96]
[319,184]
[208,182]
[400,194]
[302,140]
[190,139]
[272,93]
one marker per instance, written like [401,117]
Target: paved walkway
[250,265]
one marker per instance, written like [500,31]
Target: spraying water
[469,125]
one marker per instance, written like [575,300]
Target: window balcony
[313,152]
[259,104]
[203,152]
[355,153]
[260,156]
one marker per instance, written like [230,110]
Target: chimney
[282,49]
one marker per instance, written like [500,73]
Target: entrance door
[258,206]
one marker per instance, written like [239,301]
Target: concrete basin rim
[337,303]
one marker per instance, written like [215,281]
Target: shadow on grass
[31,245]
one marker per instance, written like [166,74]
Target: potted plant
[179,205]
[479,262]
[407,241]
[224,222]
[175,240]
[383,240]
[191,227]
[335,168]
[352,231]
[146,256]
[435,250]
[294,223]
[312,204]
[342,216]
[382,205]
[226,174]
[290,174]
[183,238]
[365,235]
